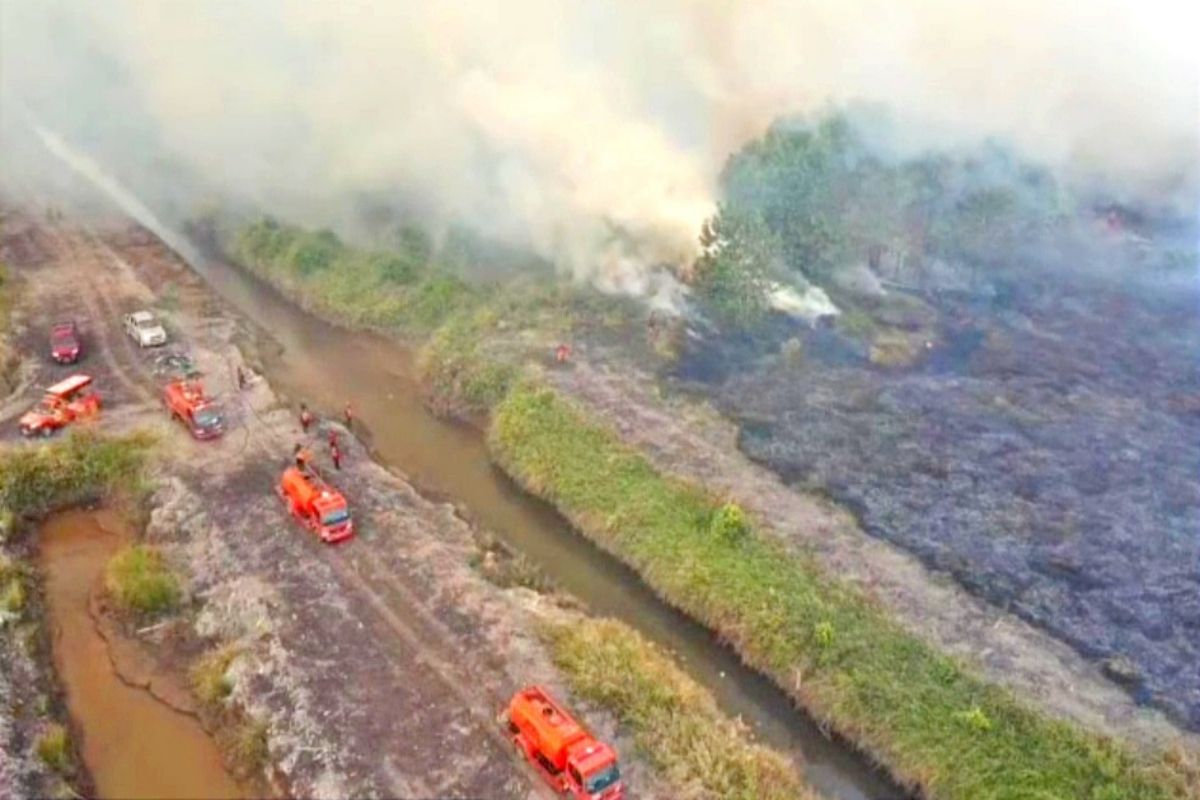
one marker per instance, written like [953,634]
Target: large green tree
[733,275]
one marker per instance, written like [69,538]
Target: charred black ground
[1044,448]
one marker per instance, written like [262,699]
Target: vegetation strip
[675,723]
[82,467]
[938,728]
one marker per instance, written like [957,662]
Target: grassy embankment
[675,723]
[471,337]
[935,725]
[35,481]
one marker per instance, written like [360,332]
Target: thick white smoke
[590,130]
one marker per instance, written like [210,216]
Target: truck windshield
[599,781]
[335,517]
[207,418]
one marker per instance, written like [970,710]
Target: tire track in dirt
[75,255]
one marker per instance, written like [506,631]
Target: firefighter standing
[348,415]
[302,456]
[306,417]
[335,453]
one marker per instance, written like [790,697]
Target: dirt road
[381,665]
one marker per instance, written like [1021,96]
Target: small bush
[395,269]
[210,683]
[792,352]
[13,599]
[54,749]
[8,524]
[729,523]
[139,581]
[823,633]
[976,719]
[250,749]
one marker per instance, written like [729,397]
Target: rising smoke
[591,131]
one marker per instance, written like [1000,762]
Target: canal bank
[134,742]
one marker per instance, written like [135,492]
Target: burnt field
[1046,453]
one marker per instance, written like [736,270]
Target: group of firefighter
[303,456]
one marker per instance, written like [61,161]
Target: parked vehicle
[65,402]
[145,329]
[66,345]
[187,402]
[321,508]
[569,758]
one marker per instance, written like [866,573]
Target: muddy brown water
[134,745]
[326,365]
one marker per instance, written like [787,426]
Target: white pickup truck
[145,329]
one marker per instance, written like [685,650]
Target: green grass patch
[456,370]
[140,583]
[54,749]
[675,723]
[82,467]
[932,722]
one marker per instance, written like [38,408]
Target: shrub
[792,352]
[54,749]
[395,269]
[314,252]
[139,582]
[976,719]
[729,523]
[250,749]
[210,683]
[13,598]
[823,633]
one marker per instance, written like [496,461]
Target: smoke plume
[591,131]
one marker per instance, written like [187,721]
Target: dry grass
[675,723]
[209,679]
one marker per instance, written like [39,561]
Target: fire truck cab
[321,508]
[569,758]
[68,400]
[187,402]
